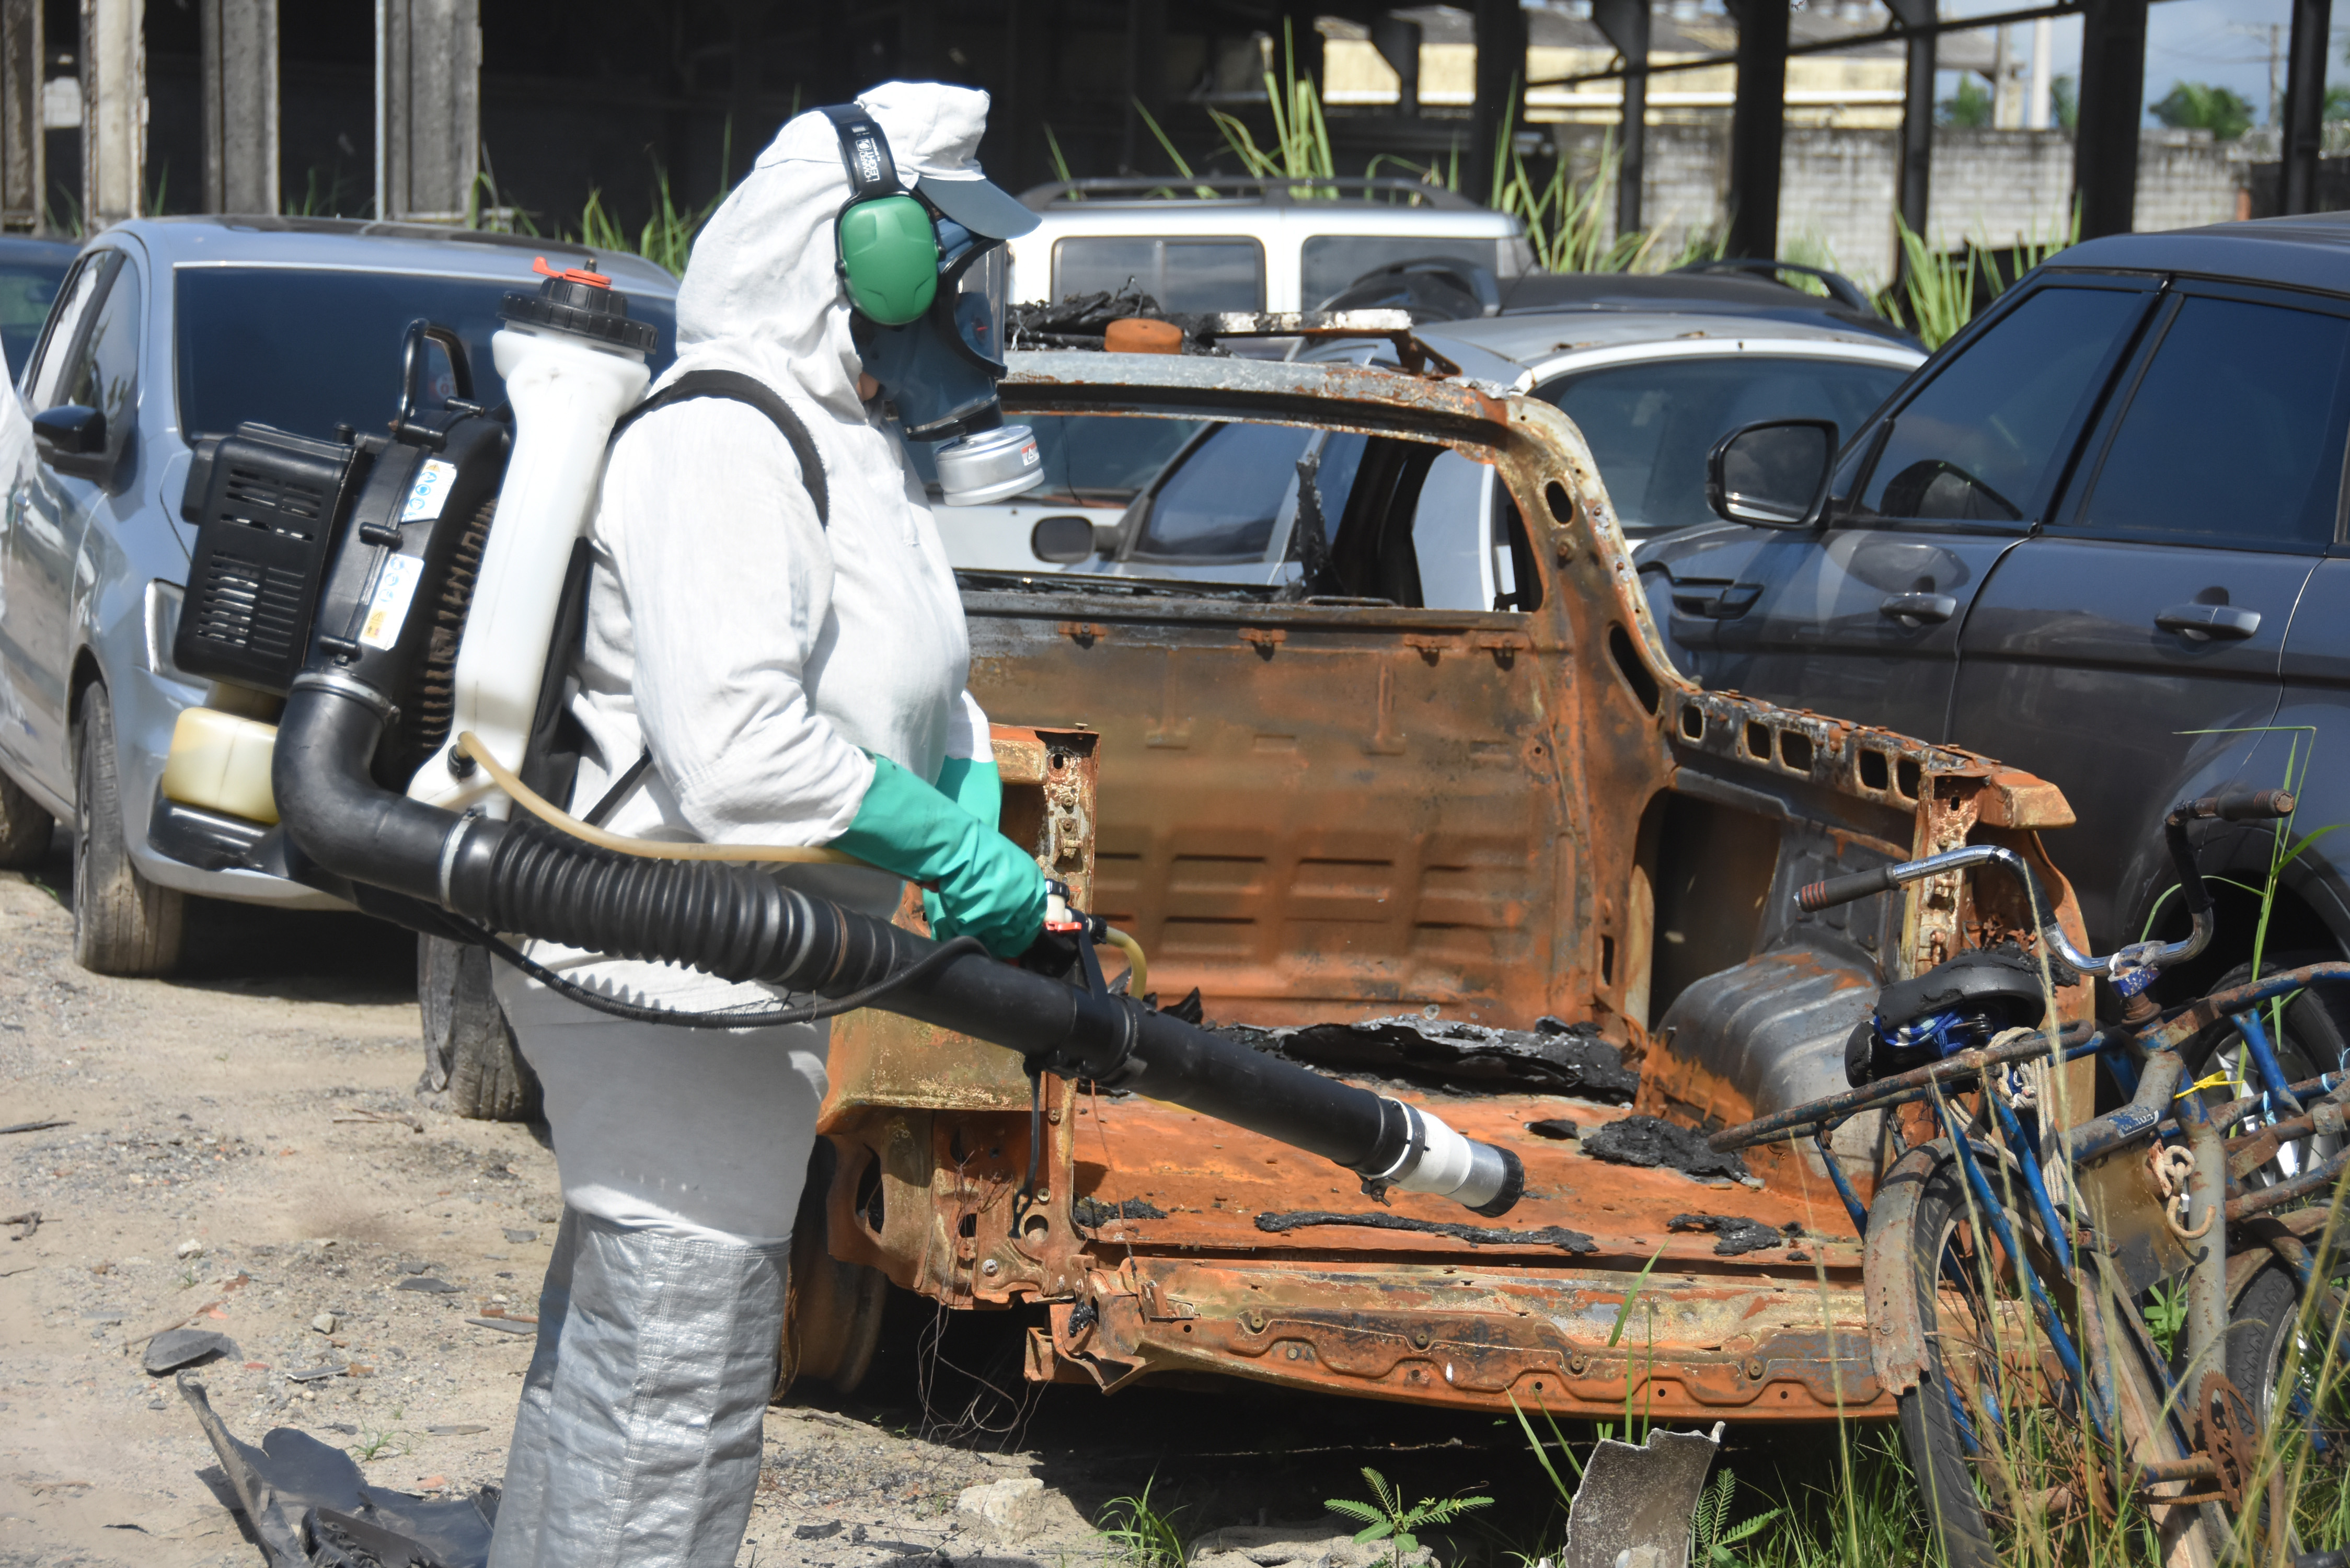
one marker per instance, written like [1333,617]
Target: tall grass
[1937,292]
[666,238]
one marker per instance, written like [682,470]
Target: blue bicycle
[2109,1334]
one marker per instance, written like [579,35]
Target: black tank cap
[580,300]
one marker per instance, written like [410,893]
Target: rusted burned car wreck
[1321,797]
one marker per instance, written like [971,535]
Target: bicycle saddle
[1953,1007]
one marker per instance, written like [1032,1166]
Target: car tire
[123,924]
[26,827]
[469,1049]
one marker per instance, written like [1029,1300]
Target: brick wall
[1989,187]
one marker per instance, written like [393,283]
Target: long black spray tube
[741,923]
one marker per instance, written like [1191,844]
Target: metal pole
[382,109]
[2043,45]
[1397,42]
[1500,91]
[24,170]
[1914,177]
[2113,96]
[1756,123]
[1625,23]
[2304,103]
[240,104]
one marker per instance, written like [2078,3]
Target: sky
[2222,42]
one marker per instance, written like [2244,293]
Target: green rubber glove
[972,783]
[987,887]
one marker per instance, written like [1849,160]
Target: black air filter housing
[267,506]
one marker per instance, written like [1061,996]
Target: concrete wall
[1993,188]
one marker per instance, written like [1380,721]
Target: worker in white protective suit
[772,655]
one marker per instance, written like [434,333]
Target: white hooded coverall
[759,656]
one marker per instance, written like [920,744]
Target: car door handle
[1920,610]
[1728,605]
[2210,623]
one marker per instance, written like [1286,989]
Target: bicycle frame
[2115,1224]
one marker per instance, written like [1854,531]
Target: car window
[105,375]
[1452,536]
[1980,442]
[1650,425]
[2260,384]
[1228,492]
[57,350]
[1328,263]
[26,290]
[1214,274]
[1089,460]
[307,350]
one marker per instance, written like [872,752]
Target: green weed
[1391,1518]
[1139,1534]
[1711,1533]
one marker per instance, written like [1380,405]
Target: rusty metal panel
[1334,825]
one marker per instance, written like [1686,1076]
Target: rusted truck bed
[1322,813]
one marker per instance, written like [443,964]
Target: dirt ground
[245,1151]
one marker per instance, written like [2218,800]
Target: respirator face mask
[930,290]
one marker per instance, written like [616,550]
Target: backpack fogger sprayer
[413,598]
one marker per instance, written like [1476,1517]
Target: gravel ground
[245,1152]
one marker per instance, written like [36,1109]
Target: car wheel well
[85,674]
[2294,927]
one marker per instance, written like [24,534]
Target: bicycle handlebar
[2228,805]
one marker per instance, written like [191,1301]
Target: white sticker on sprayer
[429,493]
[388,610]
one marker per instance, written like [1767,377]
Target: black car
[2099,536]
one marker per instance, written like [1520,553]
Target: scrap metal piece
[310,1507]
[1639,1500]
[178,1347]
[246,1469]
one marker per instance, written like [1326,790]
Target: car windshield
[1329,263]
[1651,424]
[25,290]
[305,350]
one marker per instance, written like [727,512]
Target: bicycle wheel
[2010,1468]
[2297,1385]
[2311,1036]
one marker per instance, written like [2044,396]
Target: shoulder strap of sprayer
[735,386]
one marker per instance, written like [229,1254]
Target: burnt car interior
[1505,860]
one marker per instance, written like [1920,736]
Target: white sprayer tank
[573,363]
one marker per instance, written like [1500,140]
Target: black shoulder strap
[735,386]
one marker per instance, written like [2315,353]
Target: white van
[1245,245]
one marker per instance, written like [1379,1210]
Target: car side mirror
[68,432]
[1063,539]
[71,439]
[1770,473]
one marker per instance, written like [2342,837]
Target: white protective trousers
[682,1154]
